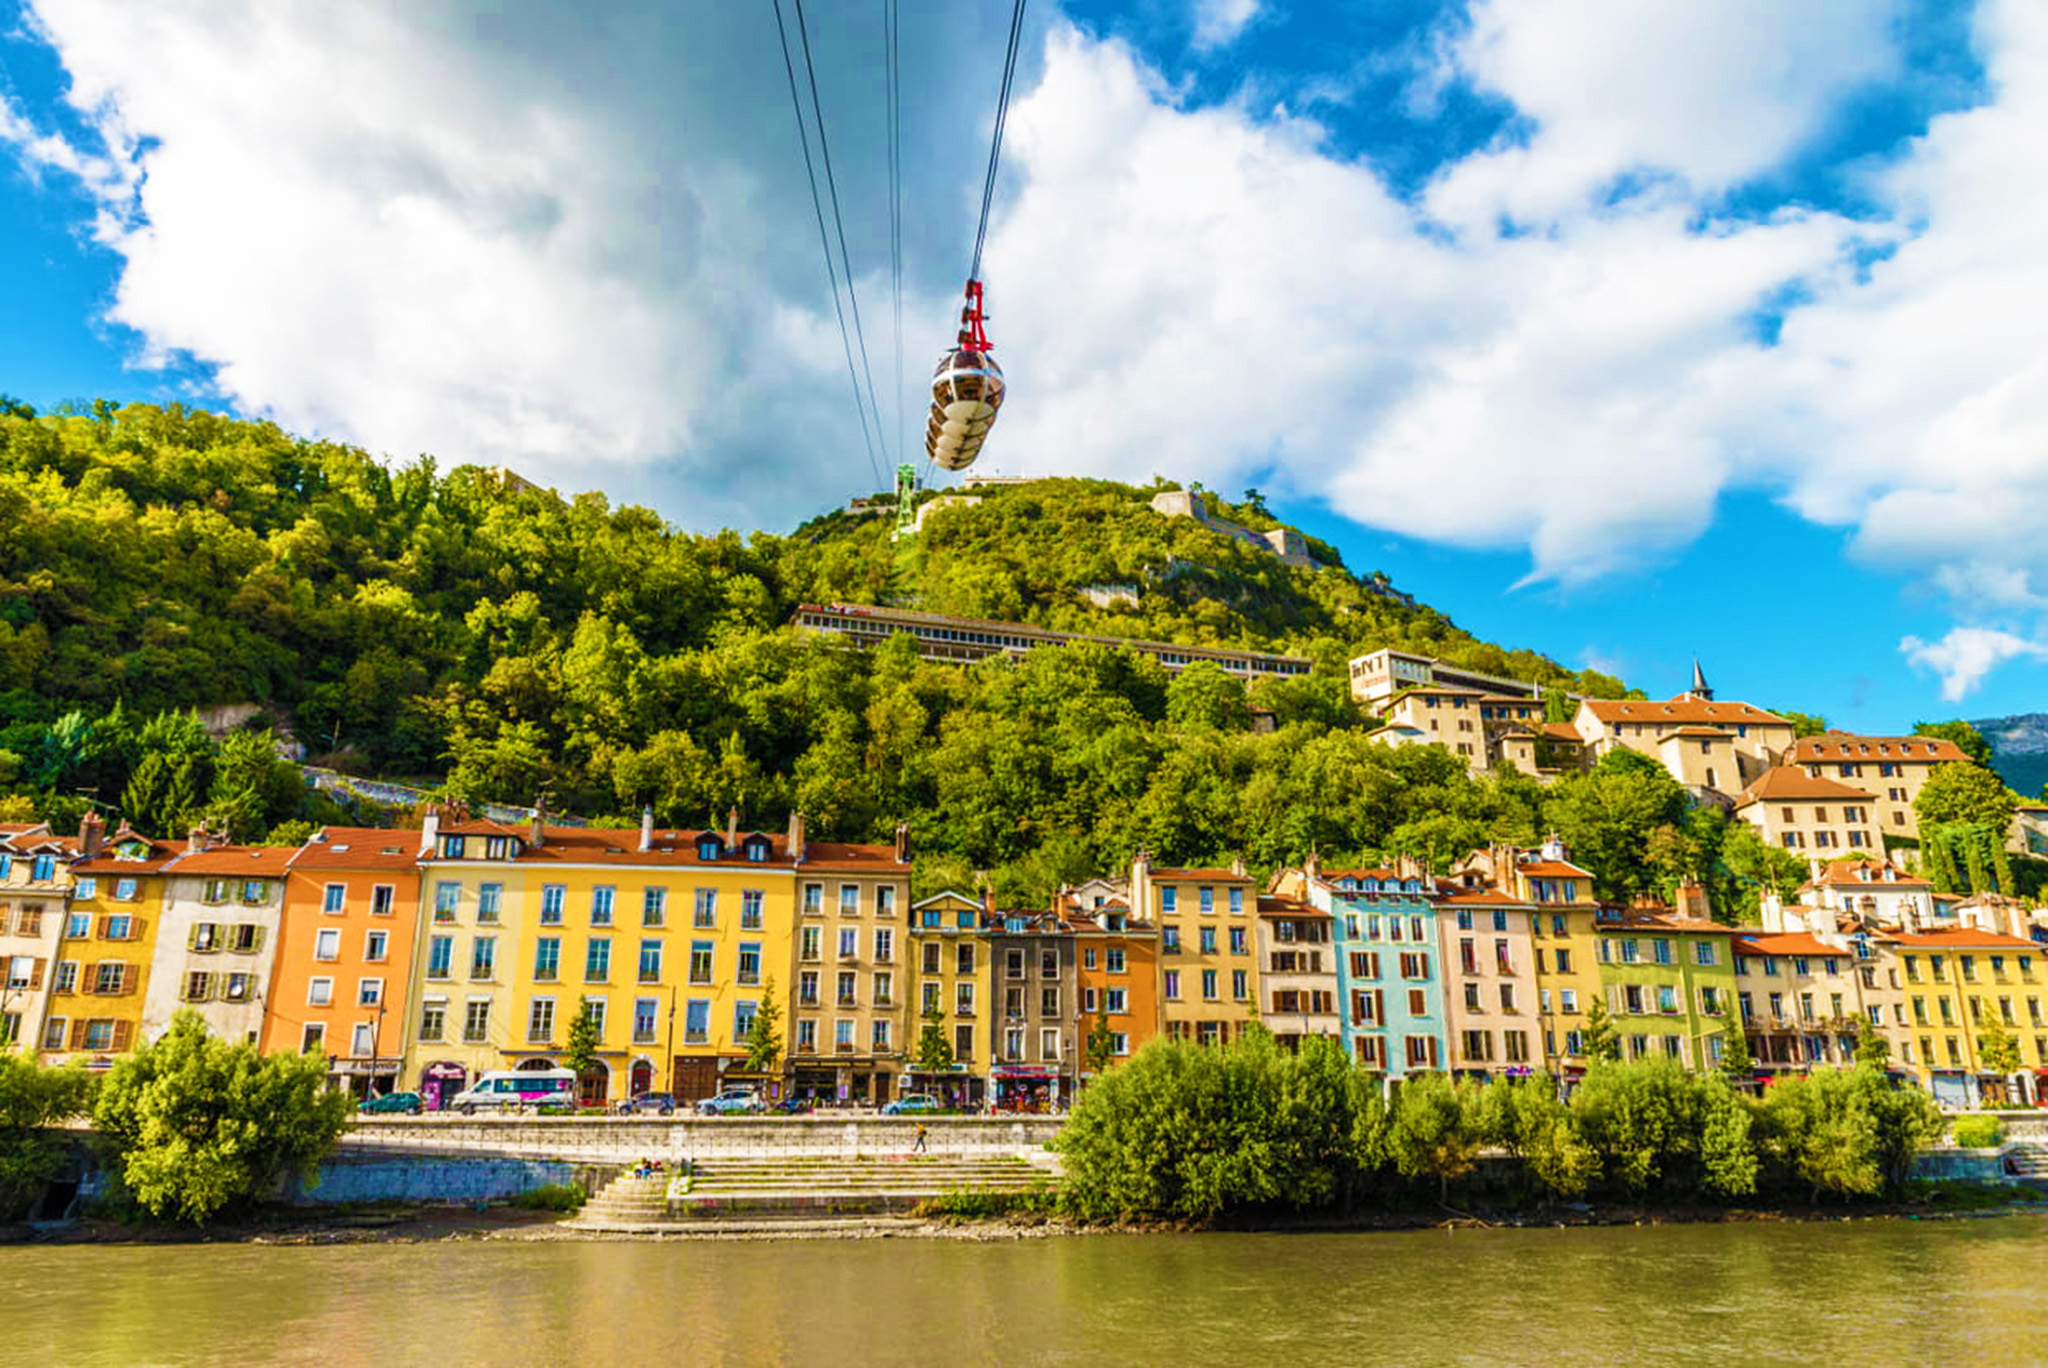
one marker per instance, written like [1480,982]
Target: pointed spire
[1700,690]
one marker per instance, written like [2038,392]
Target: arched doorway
[640,1077]
[594,1084]
[539,1065]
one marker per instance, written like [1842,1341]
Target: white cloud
[1201,292]
[1219,22]
[1710,93]
[1966,654]
[525,239]
[518,239]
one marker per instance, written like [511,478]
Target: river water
[1867,1292]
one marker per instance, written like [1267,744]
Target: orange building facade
[346,943]
[1116,960]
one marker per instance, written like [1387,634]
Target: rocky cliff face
[2019,750]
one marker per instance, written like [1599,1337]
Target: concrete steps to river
[2027,1160]
[804,1188]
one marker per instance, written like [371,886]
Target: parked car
[914,1104]
[408,1103]
[665,1103]
[792,1106]
[733,1101]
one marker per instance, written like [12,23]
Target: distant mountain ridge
[2019,750]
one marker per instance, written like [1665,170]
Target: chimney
[1237,865]
[903,843]
[537,836]
[797,844]
[430,829]
[92,834]
[647,827]
[1313,865]
[195,839]
[732,827]
[1691,898]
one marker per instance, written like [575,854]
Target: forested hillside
[464,628]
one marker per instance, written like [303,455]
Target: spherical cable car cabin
[967,392]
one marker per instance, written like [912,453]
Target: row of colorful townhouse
[422,958]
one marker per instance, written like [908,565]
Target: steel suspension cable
[995,148]
[845,259]
[891,13]
[831,274]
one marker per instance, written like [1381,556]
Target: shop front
[859,1083]
[440,1082]
[1029,1088]
[955,1088]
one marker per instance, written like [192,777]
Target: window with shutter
[91,982]
[124,1032]
[78,1034]
[35,975]
[130,978]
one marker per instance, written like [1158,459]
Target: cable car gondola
[967,390]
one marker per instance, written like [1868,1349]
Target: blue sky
[1626,332]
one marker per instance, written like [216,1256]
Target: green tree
[1998,1050]
[1603,1042]
[1432,1131]
[1964,794]
[1804,724]
[1873,1051]
[1101,1045]
[1738,1061]
[1820,1127]
[1526,1118]
[198,1126]
[1962,733]
[579,1051]
[33,1098]
[764,1034]
[934,1051]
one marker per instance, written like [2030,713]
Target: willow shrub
[1196,1132]
[198,1126]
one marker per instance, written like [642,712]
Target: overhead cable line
[995,147]
[845,259]
[831,273]
[891,15]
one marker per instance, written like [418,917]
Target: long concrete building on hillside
[940,637]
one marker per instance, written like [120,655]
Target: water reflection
[1855,1292]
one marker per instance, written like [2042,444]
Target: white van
[517,1089]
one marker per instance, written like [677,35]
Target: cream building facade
[1893,769]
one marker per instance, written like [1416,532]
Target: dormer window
[452,847]
[1014,925]
[497,847]
[1116,921]
[757,849]
[710,847]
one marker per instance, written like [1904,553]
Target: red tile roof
[160,854]
[1563,731]
[1554,869]
[253,861]
[1199,876]
[1786,784]
[1785,943]
[1839,746]
[368,848]
[1291,908]
[1483,897]
[1680,711]
[1844,874]
[1331,875]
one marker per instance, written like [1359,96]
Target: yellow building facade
[1957,983]
[1208,961]
[951,962]
[106,950]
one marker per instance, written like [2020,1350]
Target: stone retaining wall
[623,1139]
[431,1178]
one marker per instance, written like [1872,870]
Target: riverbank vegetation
[194,1127]
[1186,1132]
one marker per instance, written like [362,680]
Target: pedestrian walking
[919,1148]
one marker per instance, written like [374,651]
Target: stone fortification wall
[624,1139]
